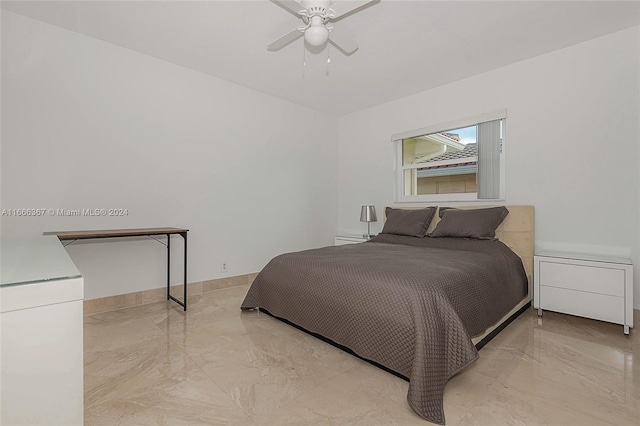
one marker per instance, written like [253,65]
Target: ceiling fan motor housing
[316,4]
[316,13]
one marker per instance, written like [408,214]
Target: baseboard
[120,301]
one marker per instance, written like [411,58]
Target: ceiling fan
[316,14]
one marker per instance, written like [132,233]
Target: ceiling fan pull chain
[328,57]
[304,59]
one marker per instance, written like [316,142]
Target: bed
[419,306]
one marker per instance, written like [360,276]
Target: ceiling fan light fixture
[316,15]
[316,35]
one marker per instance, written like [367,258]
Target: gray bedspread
[409,304]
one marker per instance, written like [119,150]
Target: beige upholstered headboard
[517,232]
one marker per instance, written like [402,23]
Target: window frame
[399,169]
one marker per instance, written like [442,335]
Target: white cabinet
[591,286]
[41,353]
[341,240]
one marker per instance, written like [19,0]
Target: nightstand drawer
[583,278]
[590,305]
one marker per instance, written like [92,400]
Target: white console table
[591,286]
[41,353]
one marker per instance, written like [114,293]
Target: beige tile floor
[155,364]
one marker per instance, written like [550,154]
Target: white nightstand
[343,239]
[586,285]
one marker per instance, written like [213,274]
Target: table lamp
[368,214]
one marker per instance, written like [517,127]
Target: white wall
[86,124]
[572,145]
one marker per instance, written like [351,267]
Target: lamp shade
[368,214]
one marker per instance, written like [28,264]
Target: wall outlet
[224,267]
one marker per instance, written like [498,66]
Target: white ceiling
[405,46]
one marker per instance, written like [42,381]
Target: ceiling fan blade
[284,40]
[346,44]
[344,7]
[291,5]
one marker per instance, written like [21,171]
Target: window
[458,161]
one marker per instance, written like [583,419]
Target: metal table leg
[169,296]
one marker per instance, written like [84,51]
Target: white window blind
[489,159]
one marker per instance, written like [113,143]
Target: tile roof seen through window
[454,136]
[470,150]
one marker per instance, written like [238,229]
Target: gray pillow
[444,209]
[478,223]
[413,223]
